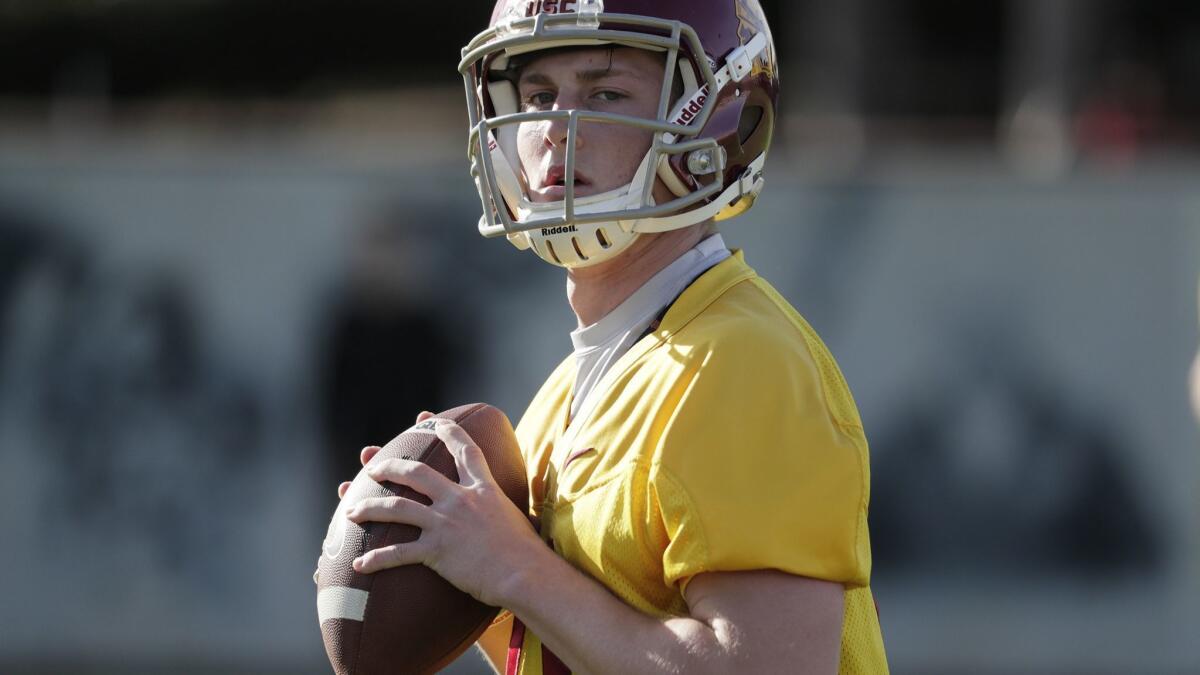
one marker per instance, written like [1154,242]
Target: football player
[697,464]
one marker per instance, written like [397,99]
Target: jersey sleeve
[763,465]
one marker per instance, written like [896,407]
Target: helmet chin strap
[628,196]
[575,244]
[746,187]
[572,248]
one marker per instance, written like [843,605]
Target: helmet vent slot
[553,254]
[575,243]
[600,237]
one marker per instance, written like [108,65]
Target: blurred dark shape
[82,100]
[236,47]
[389,351]
[240,48]
[934,58]
[384,366]
[163,436]
[997,472]
[150,440]
[1122,112]
[937,70]
[31,253]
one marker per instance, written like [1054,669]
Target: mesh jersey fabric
[725,440]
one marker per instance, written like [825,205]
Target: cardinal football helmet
[709,143]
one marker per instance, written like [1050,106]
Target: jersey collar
[704,291]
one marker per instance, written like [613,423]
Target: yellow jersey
[726,439]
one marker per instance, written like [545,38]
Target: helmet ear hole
[603,239]
[748,124]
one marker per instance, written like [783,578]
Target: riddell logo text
[561,229]
[549,7]
[693,107]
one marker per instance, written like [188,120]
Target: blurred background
[237,243]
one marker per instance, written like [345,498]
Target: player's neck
[595,291]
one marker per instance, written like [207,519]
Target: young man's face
[621,80]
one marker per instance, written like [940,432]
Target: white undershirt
[599,345]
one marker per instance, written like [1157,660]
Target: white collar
[640,308]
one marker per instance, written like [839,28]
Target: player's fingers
[467,456]
[423,415]
[411,553]
[342,489]
[418,476]
[392,510]
[367,453]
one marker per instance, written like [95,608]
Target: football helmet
[709,143]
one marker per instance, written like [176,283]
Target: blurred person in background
[1003,430]
[697,465]
[101,368]
[387,310]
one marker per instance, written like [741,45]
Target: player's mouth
[554,185]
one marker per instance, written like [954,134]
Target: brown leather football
[408,619]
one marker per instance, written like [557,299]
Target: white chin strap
[581,245]
[745,188]
[576,244]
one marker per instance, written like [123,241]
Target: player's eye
[539,100]
[609,96]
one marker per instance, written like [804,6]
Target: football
[408,619]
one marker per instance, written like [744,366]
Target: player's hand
[372,450]
[365,456]
[471,534]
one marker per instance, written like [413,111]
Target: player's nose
[556,133]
